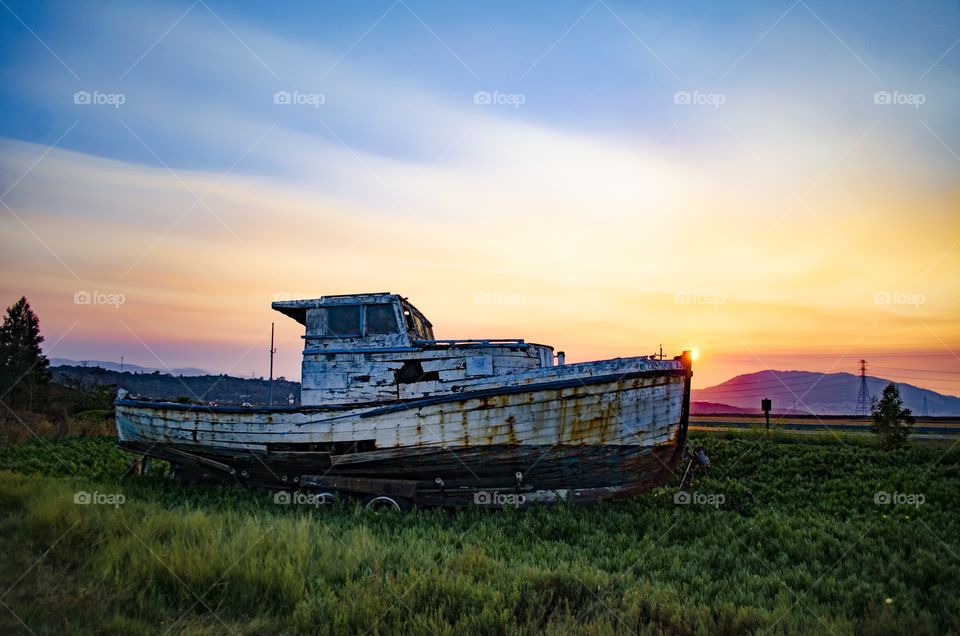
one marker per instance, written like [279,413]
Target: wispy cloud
[602,207]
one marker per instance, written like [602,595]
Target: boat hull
[575,436]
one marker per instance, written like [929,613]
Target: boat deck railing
[471,342]
[419,345]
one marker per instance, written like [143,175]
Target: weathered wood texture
[334,378]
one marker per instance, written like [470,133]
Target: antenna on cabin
[661,352]
[863,397]
[272,351]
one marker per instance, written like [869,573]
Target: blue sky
[632,154]
[601,68]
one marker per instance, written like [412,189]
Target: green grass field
[798,544]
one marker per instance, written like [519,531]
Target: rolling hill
[222,389]
[132,368]
[818,393]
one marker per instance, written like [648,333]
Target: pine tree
[24,370]
[891,421]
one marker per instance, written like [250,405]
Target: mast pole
[272,351]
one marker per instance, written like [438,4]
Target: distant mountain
[132,368]
[818,393]
[223,389]
[714,408]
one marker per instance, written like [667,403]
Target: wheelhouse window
[421,328]
[416,326]
[354,321]
[343,321]
[381,319]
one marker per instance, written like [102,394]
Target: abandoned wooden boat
[392,414]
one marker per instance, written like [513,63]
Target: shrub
[891,422]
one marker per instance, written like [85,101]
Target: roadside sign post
[765,405]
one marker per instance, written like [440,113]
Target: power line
[739,386]
[791,383]
[795,393]
[784,380]
[952,353]
[764,392]
[803,389]
[918,370]
[906,379]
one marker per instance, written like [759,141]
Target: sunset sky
[776,184]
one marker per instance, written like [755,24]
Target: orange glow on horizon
[756,292]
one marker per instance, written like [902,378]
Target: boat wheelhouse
[379,347]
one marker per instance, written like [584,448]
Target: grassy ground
[798,544]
